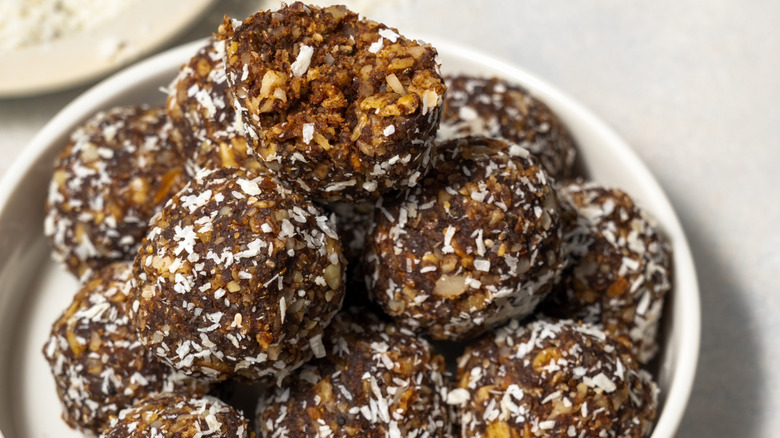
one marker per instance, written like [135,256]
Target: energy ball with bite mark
[114,174]
[99,366]
[237,278]
[342,108]
[496,108]
[375,380]
[179,416]
[619,266]
[557,379]
[476,243]
[200,106]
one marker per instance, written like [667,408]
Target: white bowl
[34,291]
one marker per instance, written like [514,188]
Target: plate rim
[14,84]
[686,307]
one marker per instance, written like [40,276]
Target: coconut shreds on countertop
[200,106]
[115,173]
[499,109]
[237,277]
[99,366]
[619,266]
[561,379]
[476,243]
[375,380]
[339,107]
[179,416]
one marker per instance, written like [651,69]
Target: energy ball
[339,107]
[200,106]
[497,108]
[99,366]
[179,416]
[375,380]
[619,266]
[237,278]
[557,379]
[476,243]
[114,174]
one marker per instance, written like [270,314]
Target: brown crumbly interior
[341,107]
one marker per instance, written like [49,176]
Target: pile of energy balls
[313,211]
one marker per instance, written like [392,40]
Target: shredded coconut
[308,132]
[301,64]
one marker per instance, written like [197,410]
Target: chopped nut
[293,66]
[450,286]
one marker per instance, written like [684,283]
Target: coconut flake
[376,46]
[302,62]
[317,347]
[308,132]
[482,265]
[389,34]
[600,381]
[458,397]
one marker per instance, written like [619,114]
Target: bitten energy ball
[619,266]
[199,105]
[116,171]
[476,243]
[552,379]
[340,107]
[496,108]
[237,277]
[179,416]
[376,380]
[98,363]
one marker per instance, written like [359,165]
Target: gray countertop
[694,87]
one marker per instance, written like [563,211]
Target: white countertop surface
[694,87]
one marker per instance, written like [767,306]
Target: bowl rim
[686,309]
[82,55]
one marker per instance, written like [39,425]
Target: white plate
[76,59]
[33,291]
